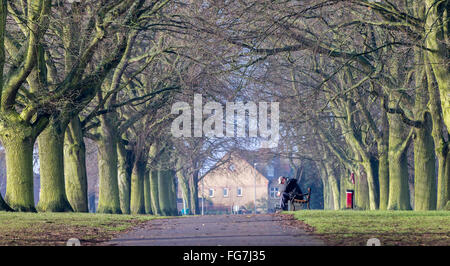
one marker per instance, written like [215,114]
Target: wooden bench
[305,200]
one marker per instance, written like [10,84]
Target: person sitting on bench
[288,189]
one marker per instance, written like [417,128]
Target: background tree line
[363,87]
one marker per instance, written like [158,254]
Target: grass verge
[392,228]
[43,229]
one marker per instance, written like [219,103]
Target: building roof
[263,158]
[235,156]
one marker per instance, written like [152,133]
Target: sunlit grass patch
[350,227]
[56,228]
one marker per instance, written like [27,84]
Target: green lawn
[349,227]
[56,228]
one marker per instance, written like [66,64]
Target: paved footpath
[219,230]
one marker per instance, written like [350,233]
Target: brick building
[233,187]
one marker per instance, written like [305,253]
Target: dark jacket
[291,187]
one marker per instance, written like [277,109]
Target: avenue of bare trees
[363,88]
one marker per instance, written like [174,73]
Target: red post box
[349,199]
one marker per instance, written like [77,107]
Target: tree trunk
[173,193]
[326,187]
[354,139]
[343,190]
[108,201]
[332,181]
[183,184]
[154,193]
[371,178]
[424,168]
[51,157]
[186,193]
[441,145]
[193,186]
[443,186]
[333,186]
[326,195]
[371,182]
[399,198]
[424,157]
[383,161]
[124,177]
[165,193]
[367,164]
[361,192]
[383,174]
[147,195]
[137,203]
[436,28]
[19,170]
[75,167]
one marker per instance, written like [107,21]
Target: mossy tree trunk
[147,195]
[424,167]
[366,193]
[383,172]
[3,15]
[334,187]
[370,182]
[326,195]
[424,158]
[76,183]
[326,187]
[442,151]
[108,201]
[436,26]
[443,199]
[74,147]
[165,192]
[111,200]
[125,164]
[399,198]
[19,129]
[375,166]
[361,196]
[368,185]
[137,199]
[354,136]
[437,42]
[51,157]
[332,183]
[343,189]
[19,169]
[154,192]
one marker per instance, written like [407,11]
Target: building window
[211,192]
[239,192]
[273,192]
[225,192]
